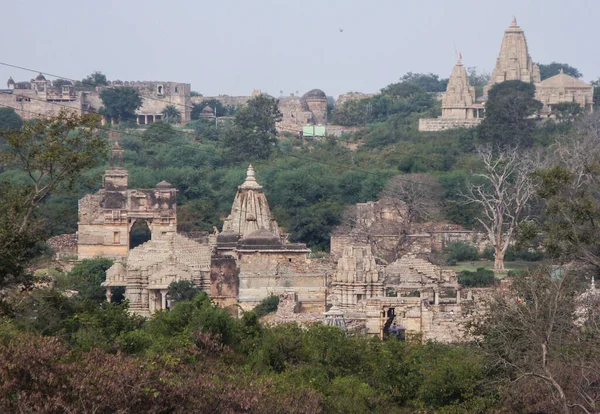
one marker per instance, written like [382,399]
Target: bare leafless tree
[420,192]
[503,196]
[535,343]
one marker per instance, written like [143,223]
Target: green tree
[159,131]
[52,153]
[253,134]
[95,79]
[9,120]
[508,113]
[120,103]
[171,114]
[550,69]
[427,81]
[402,90]
[182,290]
[86,278]
[353,113]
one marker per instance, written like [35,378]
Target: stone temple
[462,109]
[514,61]
[358,287]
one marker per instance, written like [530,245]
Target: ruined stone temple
[354,288]
[267,263]
[106,217]
[250,260]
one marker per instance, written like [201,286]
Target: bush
[480,278]
[460,252]
[488,253]
[266,306]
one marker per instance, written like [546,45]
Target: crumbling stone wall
[224,282]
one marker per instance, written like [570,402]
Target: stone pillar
[469,295]
[163,294]
[108,294]
[436,297]
[458,296]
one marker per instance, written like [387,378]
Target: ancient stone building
[37,97]
[459,108]
[106,217]
[149,269]
[317,105]
[357,277]
[267,263]
[564,88]
[514,61]
[156,96]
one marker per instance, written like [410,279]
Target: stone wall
[264,274]
[442,124]
[224,282]
[28,104]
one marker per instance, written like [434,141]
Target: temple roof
[562,80]
[250,182]
[40,77]
[164,184]
[315,94]
[250,210]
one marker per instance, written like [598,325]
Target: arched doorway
[139,233]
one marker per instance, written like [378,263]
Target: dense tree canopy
[253,133]
[120,103]
[95,79]
[52,153]
[508,113]
[9,120]
[554,68]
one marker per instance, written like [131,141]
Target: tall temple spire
[459,93]
[514,61]
[250,182]
[250,210]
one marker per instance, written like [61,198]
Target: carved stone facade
[564,88]
[149,269]
[106,218]
[514,61]
[357,277]
[459,109]
[267,263]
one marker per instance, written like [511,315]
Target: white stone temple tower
[514,62]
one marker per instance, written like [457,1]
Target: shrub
[480,278]
[266,306]
[460,252]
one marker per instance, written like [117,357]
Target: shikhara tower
[514,62]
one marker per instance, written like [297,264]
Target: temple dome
[164,184]
[315,94]
[40,78]
[262,237]
[227,237]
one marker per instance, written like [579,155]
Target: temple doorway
[139,233]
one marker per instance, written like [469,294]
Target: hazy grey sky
[233,46]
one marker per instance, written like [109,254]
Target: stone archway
[139,232]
